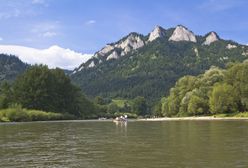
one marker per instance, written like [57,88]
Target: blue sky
[87,25]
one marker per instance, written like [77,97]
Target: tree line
[40,89]
[217,91]
[45,89]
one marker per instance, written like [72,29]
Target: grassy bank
[18,114]
[237,115]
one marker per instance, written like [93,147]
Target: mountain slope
[149,66]
[10,67]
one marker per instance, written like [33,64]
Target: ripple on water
[137,144]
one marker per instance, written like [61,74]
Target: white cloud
[90,22]
[53,56]
[1,39]
[49,34]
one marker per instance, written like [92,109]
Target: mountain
[149,65]
[10,67]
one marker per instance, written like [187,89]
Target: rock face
[105,50]
[182,34]
[113,51]
[211,37]
[196,52]
[231,46]
[156,33]
[245,53]
[133,41]
[92,64]
[113,55]
[128,44]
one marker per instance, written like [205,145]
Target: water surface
[97,144]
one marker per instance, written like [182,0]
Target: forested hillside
[150,65]
[10,67]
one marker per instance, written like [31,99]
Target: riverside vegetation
[221,92]
[41,89]
[17,113]
[48,94]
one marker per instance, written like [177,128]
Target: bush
[244,114]
[18,114]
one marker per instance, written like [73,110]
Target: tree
[157,109]
[139,106]
[5,95]
[99,100]
[35,89]
[215,91]
[126,107]
[112,108]
[49,90]
[197,105]
[236,76]
[223,99]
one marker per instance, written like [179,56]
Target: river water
[136,144]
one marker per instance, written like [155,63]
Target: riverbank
[193,118]
[18,114]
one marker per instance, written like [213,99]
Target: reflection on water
[121,127]
[122,124]
[107,144]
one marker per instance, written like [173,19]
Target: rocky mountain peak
[105,50]
[181,33]
[156,33]
[115,50]
[210,38]
[133,40]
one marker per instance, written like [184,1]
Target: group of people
[121,118]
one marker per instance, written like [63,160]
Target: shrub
[18,114]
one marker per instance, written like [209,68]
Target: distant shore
[193,118]
[200,118]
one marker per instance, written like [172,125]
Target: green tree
[139,106]
[197,105]
[157,109]
[49,90]
[99,100]
[112,108]
[34,89]
[223,99]
[178,96]
[5,95]
[237,77]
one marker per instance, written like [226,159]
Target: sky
[85,26]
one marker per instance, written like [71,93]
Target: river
[136,144]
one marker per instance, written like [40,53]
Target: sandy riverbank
[193,118]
